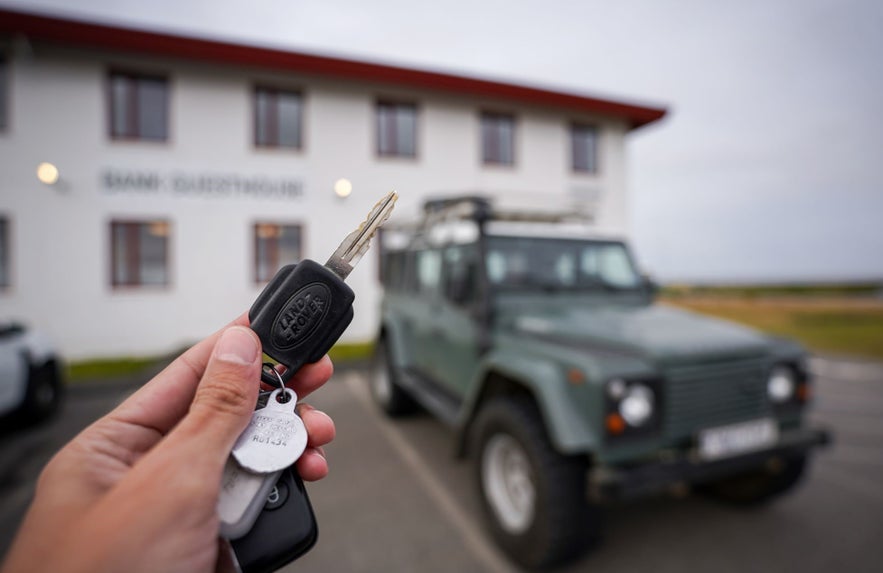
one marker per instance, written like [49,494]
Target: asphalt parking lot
[397,500]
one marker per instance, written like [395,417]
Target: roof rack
[480,208]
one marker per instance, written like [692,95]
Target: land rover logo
[300,316]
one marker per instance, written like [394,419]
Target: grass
[106,369]
[843,325]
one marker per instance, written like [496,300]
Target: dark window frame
[133,129]
[494,158]
[133,255]
[273,126]
[6,251]
[6,87]
[396,153]
[277,264]
[578,128]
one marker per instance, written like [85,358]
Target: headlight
[781,384]
[637,405]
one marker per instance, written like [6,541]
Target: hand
[138,489]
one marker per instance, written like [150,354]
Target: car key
[305,308]
[284,530]
[299,316]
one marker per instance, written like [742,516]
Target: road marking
[472,536]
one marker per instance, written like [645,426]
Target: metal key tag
[275,437]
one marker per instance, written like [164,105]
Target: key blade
[356,243]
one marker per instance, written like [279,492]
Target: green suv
[541,346]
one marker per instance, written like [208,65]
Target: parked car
[31,379]
[542,347]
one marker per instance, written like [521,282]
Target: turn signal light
[804,392]
[615,423]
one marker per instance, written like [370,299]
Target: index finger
[162,402]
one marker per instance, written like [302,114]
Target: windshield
[531,263]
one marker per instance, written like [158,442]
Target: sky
[767,165]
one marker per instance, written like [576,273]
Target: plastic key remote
[306,307]
[285,529]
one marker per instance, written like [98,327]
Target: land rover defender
[541,345]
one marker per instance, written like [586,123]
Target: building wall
[60,238]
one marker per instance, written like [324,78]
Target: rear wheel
[385,391]
[761,485]
[534,498]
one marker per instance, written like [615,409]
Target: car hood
[662,332]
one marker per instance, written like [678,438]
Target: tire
[534,498]
[385,390]
[44,393]
[759,486]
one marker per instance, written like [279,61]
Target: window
[498,138]
[5,279]
[139,107]
[278,118]
[428,271]
[396,129]
[550,265]
[274,247]
[461,274]
[4,92]
[139,253]
[584,148]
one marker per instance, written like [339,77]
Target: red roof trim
[114,38]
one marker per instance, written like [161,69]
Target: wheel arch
[567,428]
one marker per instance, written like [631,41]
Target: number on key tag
[275,437]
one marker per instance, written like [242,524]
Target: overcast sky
[767,166]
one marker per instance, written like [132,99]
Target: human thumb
[226,395]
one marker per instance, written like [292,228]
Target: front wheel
[534,498]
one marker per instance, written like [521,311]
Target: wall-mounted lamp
[343,188]
[47,173]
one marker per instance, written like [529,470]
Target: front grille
[713,394]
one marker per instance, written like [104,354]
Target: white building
[189,169]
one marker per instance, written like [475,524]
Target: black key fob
[285,529]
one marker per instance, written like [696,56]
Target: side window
[460,274]
[392,270]
[428,271]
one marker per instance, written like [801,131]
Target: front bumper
[674,468]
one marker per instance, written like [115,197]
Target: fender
[568,427]
[397,340]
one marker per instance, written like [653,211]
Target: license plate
[735,439]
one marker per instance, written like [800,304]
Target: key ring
[267,368]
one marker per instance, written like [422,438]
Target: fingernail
[237,345]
